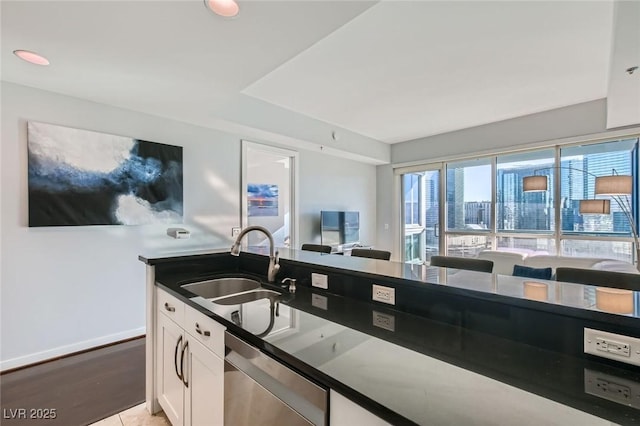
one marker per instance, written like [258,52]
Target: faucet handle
[292,284]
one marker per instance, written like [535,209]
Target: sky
[477,183]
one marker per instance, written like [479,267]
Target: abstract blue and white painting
[79,177]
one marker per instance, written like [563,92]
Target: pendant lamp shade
[536,291]
[614,185]
[614,300]
[595,206]
[534,183]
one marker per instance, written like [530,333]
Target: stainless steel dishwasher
[259,390]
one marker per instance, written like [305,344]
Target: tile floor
[135,416]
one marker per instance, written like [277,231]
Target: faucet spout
[274,265]
[292,284]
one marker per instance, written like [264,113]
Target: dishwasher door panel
[259,390]
[246,403]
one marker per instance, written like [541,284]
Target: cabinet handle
[169,308]
[175,358]
[206,333]
[184,376]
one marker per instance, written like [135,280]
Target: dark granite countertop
[407,368]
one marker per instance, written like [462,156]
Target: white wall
[331,183]
[65,289]
[581,119]
[623,93]
[388,207]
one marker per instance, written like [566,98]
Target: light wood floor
[135,416]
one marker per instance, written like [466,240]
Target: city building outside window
[546,222]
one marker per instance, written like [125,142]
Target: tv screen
[339,227]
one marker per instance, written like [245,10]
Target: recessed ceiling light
[226,8]
[32,57]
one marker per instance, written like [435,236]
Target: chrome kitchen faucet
[274,266]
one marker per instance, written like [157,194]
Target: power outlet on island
[319,301]
[319,281]
[384,294]
[612,388]
[612,346]
[385,321]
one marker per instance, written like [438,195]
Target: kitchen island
[443,354]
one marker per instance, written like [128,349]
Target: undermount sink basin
[220,287]
[248,296]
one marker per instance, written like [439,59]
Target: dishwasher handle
[304,396]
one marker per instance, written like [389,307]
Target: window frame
[556,233]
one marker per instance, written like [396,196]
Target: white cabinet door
[345,412]
[189,372]
[204,398]
[170,388]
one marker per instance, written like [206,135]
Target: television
[339,228]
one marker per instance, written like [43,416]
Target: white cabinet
[170,388]
[189,364]
[344,412]
[204,397]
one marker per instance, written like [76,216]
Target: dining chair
[316,247]
[371,253]
[600,278]
[470,264]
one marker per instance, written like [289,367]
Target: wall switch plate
[319,280]
[235,231]
[384,294]
[612,346]
[612,388]
[386,321]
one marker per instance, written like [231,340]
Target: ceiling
[389,71]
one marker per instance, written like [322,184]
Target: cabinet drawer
[170,306]
[207,331]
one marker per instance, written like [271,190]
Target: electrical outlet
[384,294]
[608,345]
[319,280]
[319,301]
[235,231]
[612,388]
[386,321]
[612,346]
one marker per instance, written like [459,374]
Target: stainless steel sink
[220,287]
[248,296]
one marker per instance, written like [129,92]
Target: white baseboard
[69,349]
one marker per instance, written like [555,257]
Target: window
[579,166]
[519,211]
[468,207]
[413,245]
[421,203]
[469,195]
[526,245]
[486,207]
[412,184]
